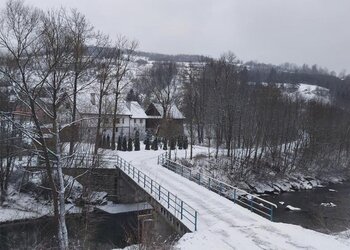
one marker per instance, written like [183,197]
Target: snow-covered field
[224,225]
[306,92]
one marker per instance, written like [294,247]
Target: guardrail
[239,196]
[177,207]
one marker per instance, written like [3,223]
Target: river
[105,231]
[332,216]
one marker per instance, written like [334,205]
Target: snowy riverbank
[22,206]
[293,183]
[263,183]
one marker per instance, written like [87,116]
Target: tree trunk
[97,140]
[74,108]
[114,118]
[62,227]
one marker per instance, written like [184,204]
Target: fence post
[168,199]
[199,178]
[144,181]
[151,186]
[195,220]
[271,213]
[133,172]
[209,182]
[138,176]
[159,192]
[182,209]
[234,196]
[182,170]
[251,203]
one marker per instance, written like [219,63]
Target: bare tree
[87,46]
[191,79]
[161,81]
[124,52]
[8,140]
[37,49]
[105,80]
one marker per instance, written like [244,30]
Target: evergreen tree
[147,144]
[165,146]
[172,143]
[185,142]
[132,96]
[137,143]
[179,142]
[155,144]
[130,144]
[119,146]
[124,146]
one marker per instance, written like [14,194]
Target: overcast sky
[271,31]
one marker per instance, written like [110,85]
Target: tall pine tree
[124,147]
[130,144]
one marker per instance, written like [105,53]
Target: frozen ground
[224,225]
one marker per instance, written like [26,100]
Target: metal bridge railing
[177,207]
[252,202]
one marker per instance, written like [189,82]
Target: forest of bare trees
[261,129]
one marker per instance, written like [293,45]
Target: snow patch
[328,204]
[112,208]
[289,207]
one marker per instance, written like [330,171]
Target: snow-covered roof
[136,110]
[86,105]
[173,113]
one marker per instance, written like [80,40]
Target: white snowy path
[224,225]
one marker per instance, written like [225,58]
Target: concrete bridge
[218,214]
[125,184]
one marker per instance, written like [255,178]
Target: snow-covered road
[223,224]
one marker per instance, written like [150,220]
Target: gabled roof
[173,113]
[136,110]
[85,105]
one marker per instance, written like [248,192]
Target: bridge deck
[224,225]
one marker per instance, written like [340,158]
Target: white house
[131,117]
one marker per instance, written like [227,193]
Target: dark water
[103,231]
[312,214]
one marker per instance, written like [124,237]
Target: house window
[135,121]
[141,121]
[116,129]
[123,120]
[118,120]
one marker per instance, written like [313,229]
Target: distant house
[131,118]
[155,113]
